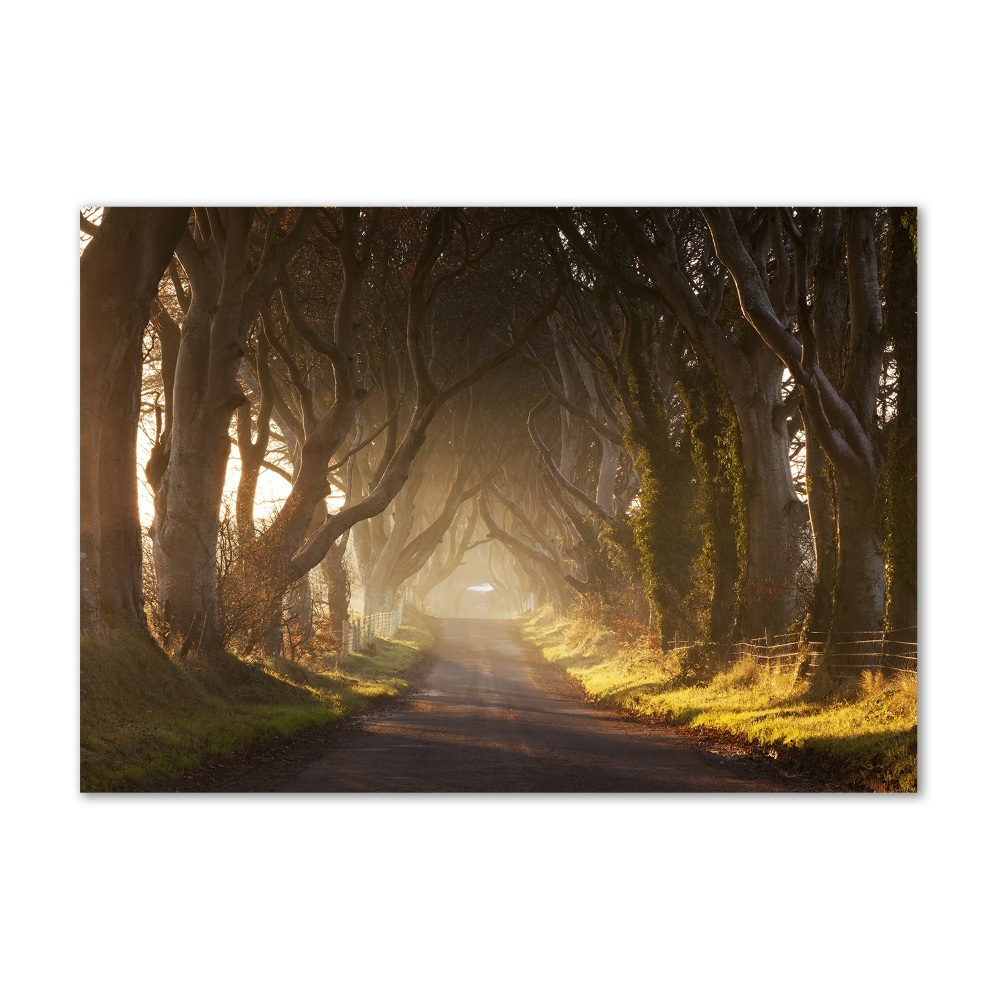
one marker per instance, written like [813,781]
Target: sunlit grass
[146,719]
[864,735]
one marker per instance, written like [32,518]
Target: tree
[231,258]
[120,270]
[238,265]
[392,549]
[587,404]
[692,287]
[900,471]
[843,420]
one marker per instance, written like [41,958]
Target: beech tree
[120,270]
[843,420]
[614,408]
[429,395]
[695,292]
[900,470]
[231,265]
[393,546]
[238,267]
[446,559]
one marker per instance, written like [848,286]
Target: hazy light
[481,587]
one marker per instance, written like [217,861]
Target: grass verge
[147,719]
[863,736]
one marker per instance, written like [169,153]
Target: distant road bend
[489,717]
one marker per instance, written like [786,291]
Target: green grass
[864,735]
[147,719]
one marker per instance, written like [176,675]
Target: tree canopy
[686,422]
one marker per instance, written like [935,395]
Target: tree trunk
[246,489]
[120,532]
[772,510]
[859,601]
[610,457]
[300,607]
[379,571]
[901,463]
[186,529]
[119,273]
[379,598]
[658,524]
[337,586]
[189,494]
[823,520]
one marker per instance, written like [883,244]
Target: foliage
[616,599]
[719,508]
[661,521]
[253,583]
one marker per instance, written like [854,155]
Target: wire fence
[895,651]
[845,656]
[360,631]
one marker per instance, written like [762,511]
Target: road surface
[490,717]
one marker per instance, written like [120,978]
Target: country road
[490,717]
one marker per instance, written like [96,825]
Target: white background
[477,896]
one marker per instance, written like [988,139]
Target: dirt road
[490,718]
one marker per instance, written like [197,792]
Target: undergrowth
[863,735]
[147,719]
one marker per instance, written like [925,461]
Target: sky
[272,489]
[539,104]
